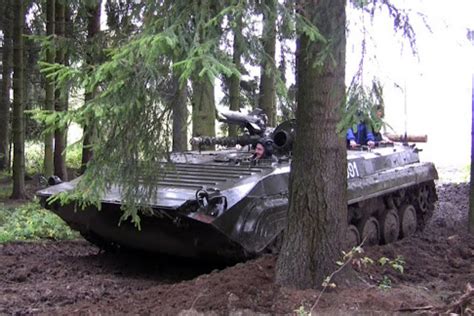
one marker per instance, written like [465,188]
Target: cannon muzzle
[255,121]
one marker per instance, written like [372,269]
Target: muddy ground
[75,278]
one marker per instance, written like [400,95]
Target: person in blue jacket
[362,136]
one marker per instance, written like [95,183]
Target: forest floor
[73,277]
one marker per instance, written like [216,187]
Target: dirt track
[73,277]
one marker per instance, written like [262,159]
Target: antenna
[405,139]
[405,109]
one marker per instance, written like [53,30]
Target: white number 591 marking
[352,170]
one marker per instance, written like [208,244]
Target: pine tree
[234,86]
[203,100]
[267,97]
[179,107]
[93,28]
[7,51]
[49,91]
[60,99]
[18,101]
[317,214]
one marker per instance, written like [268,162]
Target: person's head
[259,151]
[380,112]
[264,148]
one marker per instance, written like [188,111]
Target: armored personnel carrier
[222,203]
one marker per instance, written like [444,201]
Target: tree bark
[471,192]
[204,109]
[60,104]
[317,214]
[203,102]
[49,91]
[7,51]
[18,102]
[180,116]
[93,28]
[234,86]
[267,98]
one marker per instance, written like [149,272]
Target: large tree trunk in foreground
[7,51]
[179,105]
[471,193]
[93,29]
[204,108]
[18,102]
[60,98]
[48,164]
[267,98]
[234,86]
[317,214]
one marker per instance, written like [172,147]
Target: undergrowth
[31,222]
[35,154]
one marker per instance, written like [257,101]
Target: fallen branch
[462,303]
[416,308]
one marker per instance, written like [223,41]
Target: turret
[255,124]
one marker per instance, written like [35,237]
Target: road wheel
[369,231]
[390,225]
[423,198]
[408,221]
[352,237]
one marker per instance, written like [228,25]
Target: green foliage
[361,106]
[129,112]
[128,87]
[31,222]
[34,155]
[385,283]
[301,311]
[74,156]
[396,264]
[5,191]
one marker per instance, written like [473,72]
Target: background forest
[177,68]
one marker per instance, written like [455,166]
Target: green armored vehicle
[222,203]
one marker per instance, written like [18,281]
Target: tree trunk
[93,28]
[18,102]
[471,193]
[49,91]
[234,86]
[204,109]
[317,214]
[180,116]
[267,98]
[7,52]
[60,104]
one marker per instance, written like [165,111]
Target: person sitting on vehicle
[378,127]
[263,149]
[361,135]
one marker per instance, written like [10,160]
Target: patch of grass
[74,156]
[31,222]
[5,191]
[34,155]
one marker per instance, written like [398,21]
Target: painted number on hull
[352,171]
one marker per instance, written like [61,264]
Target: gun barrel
[255,121]
[409,138]
[225,141]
